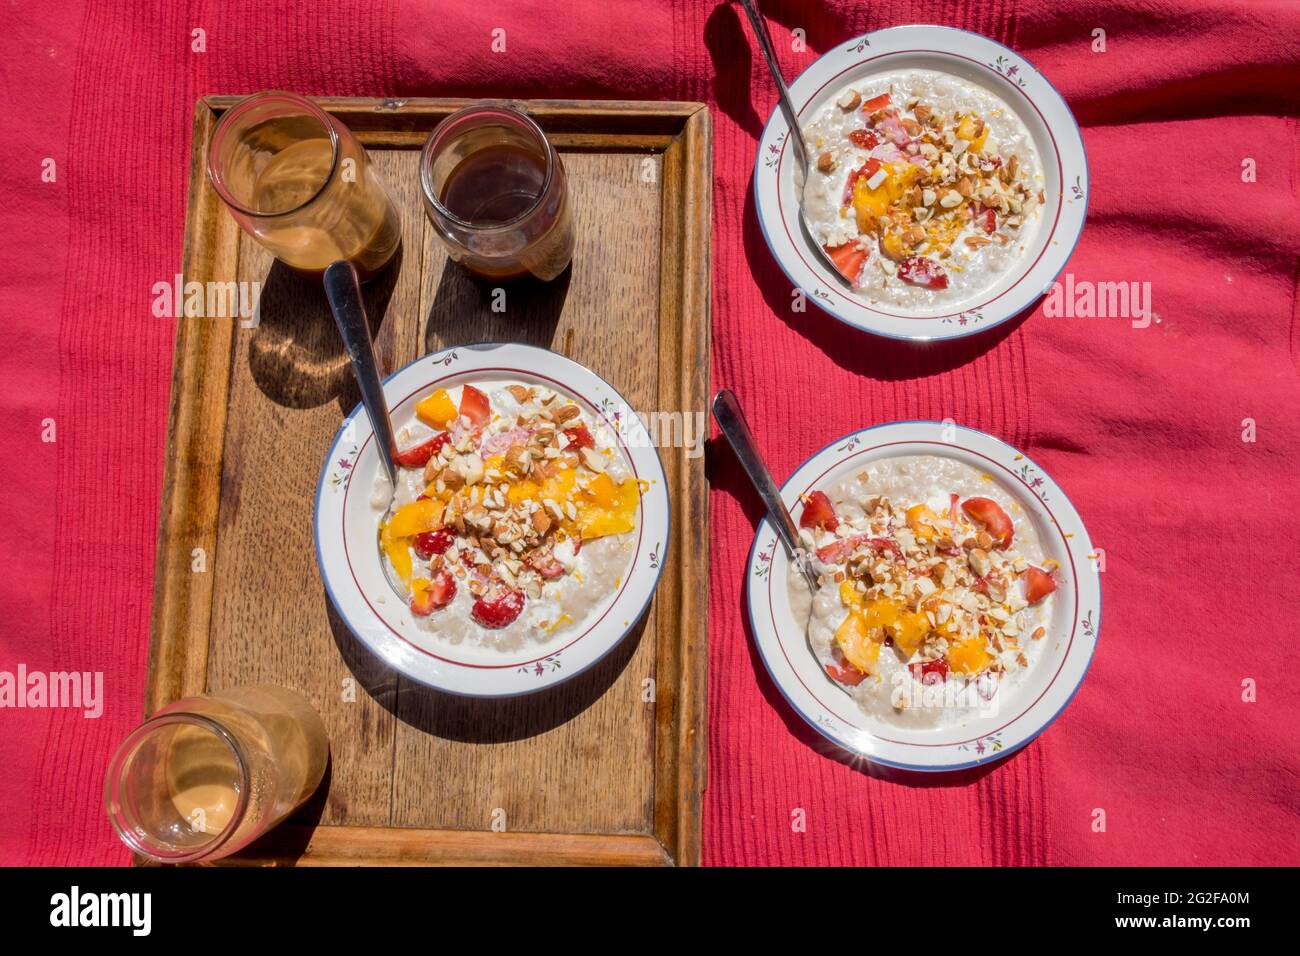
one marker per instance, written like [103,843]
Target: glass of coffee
[205,776]
[297,181]
[495,190]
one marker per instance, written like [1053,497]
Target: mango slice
[855,642]
[602,490]
[415,518]
[907,628]
[870,205]
[437,409]
[618,516]
[603,507]
[922,521]
[398,551]
[968,656]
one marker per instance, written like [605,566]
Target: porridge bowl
[958,601]
[948,183]
[527,530]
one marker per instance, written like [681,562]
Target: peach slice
[436,410]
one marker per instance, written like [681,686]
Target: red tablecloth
[1142,427]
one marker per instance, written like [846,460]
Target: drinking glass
[297,181]
[495,191]
[206,776]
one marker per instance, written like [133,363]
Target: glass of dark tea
[296,179]
[495,190]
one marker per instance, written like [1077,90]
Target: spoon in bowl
[343,289]
[726,410]
[803,158]
[727,413]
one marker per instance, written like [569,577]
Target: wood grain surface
[595,770]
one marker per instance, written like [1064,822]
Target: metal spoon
[802,156]
[726,410]
[343,289]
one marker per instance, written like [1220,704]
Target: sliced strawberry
[837,551]
[930,672]
[864,138]
[422,602]
[952,508]
[989,514]
[579,437]
[886,544]
[443,589]
[818,512]
[875,103]
[848,674]
[895,130]
[499,611]
[429,543]
[546,565]
[843,672]
[1038,584]
[865,171]
[922,271]
[418,456]
[432,595]
[986,218]
[848,258]
[474,406]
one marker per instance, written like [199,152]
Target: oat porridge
[934,592]
[925,190]
[513,516]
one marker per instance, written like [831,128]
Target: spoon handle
[726,410]
[783,92]
[803,158]
[343,290]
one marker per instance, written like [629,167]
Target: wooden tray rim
[195,442]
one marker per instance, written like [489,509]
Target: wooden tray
[588,773]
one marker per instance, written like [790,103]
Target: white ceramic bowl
[346,524]
[982,62]
[1022,712]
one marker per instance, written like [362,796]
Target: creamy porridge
[513,515]
[926,188]
[934,593]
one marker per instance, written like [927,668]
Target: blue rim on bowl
[1005,73]
[390,634]
[798,676]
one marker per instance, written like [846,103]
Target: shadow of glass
[295,355]
[467,310]
[288,840]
